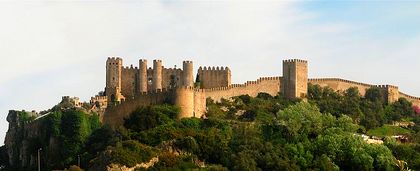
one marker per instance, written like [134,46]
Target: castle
[128,88]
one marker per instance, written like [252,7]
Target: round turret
[157,75]
[187,77]
[142,75]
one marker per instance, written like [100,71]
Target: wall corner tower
[295,78]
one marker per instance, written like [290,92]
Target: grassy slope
[388,130]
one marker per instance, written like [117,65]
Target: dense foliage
[247,133]
[61,137]
[272,133]
[370,111]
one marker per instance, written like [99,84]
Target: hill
[324,132]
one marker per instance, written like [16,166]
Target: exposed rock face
[23,139]
[145,165]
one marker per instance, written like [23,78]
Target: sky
[54,48]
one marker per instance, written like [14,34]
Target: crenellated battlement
[114,61]
[173,69]
[98,97]
[408,96]
[209,68]
[129,87]
[295,61]
[186,87]
[237,85]
[350,82]
[247,84]
[218,89]
[269,78]
[114,58]
[295,78]
[131,67]
[211,77]
[391,86]
[338,80]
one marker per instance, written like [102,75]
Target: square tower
[113,80]
[295,78]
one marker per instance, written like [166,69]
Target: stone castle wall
[341,85]
[412,99]
[184,99]
[129,82]
[199,103]
[171,77]
[295,78]
[270,85]
[212,77]
[192,103]
[113,79]
[114,115]
[215,83]
[391,92]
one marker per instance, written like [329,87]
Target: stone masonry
[128,88]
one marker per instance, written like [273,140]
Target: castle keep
[128,88]
[128,82]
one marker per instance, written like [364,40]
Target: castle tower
[187,76]
[392,93]
[184,99]
[113,79]
[157,75]
[142,75]
[295,78]
[211,77]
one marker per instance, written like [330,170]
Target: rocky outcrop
[145,165]
[25,136]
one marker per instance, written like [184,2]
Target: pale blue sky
[50,49]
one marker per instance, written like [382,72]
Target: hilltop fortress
[128,88]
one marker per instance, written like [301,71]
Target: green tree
[326,99]
[375,94]
[351,104]
[301,120]
[151,116]
[399,109]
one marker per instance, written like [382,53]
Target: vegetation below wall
[243,133]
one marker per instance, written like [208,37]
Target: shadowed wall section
[115,114]
[129,82]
